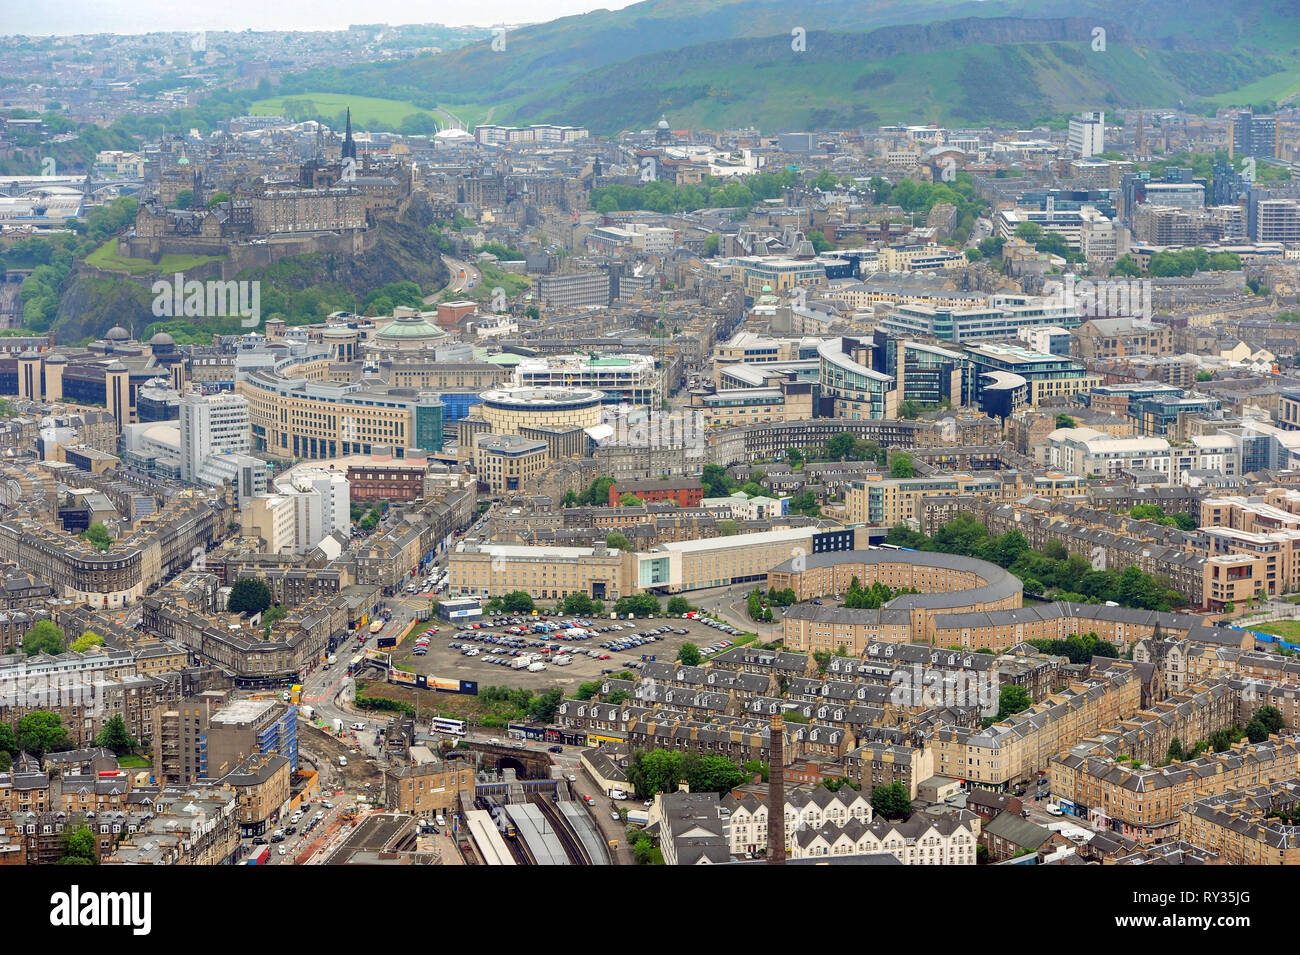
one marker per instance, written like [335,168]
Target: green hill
[729,62]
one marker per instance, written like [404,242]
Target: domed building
[408,332]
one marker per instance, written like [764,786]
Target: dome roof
[117,334]
[162,338]
[408,328]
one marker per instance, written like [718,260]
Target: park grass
[133,762]
[368,112]
[1289,630]
[106,259]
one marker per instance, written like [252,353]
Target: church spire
[349,147]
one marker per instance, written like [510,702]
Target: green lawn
[107,259]
[367,111]
[133,762]
[1287,629]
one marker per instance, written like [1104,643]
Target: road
[458,282]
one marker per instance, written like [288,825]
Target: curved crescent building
[508,410]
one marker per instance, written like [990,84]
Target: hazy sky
[144,16]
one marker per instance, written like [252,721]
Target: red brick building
[684,491]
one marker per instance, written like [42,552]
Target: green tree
[1063,420]
[184,199]
[41,732]
[249,595]
[517,601]
[1012,700]
[617,541]
[8,742]
[580,604]
[1256,731]
[86,641]
[654,771]
[840,446]
[542,708]
[1272,718]
[79,847]
[714,774]
[631,500]
[642,605]
[716,482]
[115,736]
[1126,265]
[689,654]
[901,465]
[1175,752]
[891,801]
[586,691]
[44,637]
[795,457]
[98,535]
[678,605]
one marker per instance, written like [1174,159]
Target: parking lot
[497,639]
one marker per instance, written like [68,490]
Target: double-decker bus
[441,724]
[355,664]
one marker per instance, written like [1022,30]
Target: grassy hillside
[841,81]
[729,62]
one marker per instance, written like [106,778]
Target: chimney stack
[776,791]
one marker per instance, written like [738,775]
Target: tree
[840,446]
[44,637]
[713,774]
[715,480]
[249,595]
[79,847]
[115,736]
[1012,700]
[642,605]
[517,601]
[795,457]
[580,604]
[1272,718]
[689,654]
[1126,265]
[98,535]
[630,500]
[1063,420]
[1256,731]
[654,771]
[8,742]
[1175,752]
[587,690]
[273,615]
[184,199]
[901,465]
[617,541]
[678,605]
[891,801]
[87,640]
[542,708]
[41,732]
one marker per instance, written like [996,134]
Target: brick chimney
[776,791]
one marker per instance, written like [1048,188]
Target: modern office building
[1087,136]
[1251,135]
[850,388]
